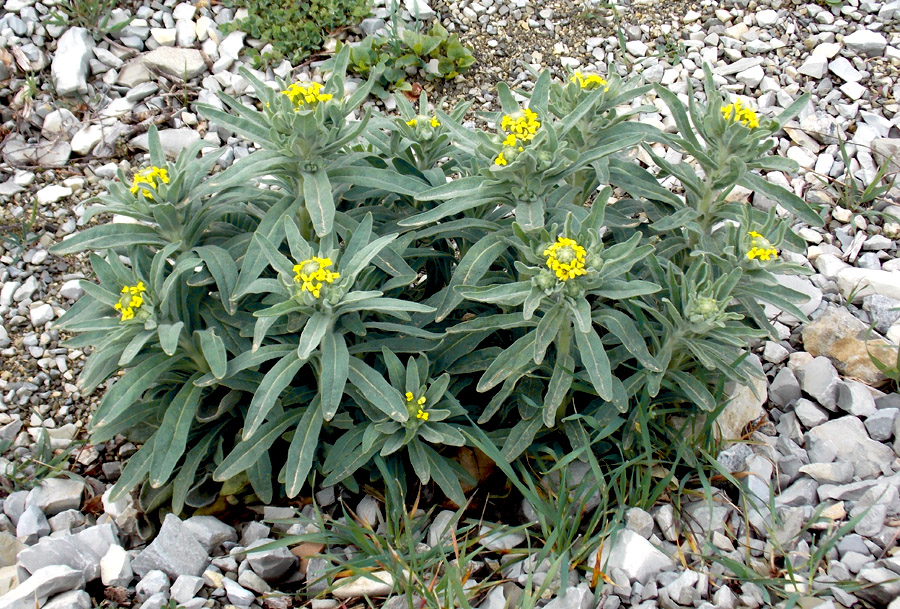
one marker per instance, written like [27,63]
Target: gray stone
[882,310]
[881,424]
[254,531]
[134,73]
[820,379]
[82,551]
[682,589]
[14,505]
[440,527]
[839,472]
[251,581]
[774,352]
[744,405]
[785,388]
[55,495]
[60,123]
[379,583]
[495,599]
[115,567]
[174,551]
[40,314]
[42,584]
[210,531]
[734,458]
[156,601]
[846,439]
[866,42]
[882,585]
[842,68]
[573,597]
[180,64]
[237,594]
[32,525]
[70,64]
[822,127]
[153,582]
[185,587]
[270,564]
[639,521]
[419,9]
[630,552]
[804,286]
[86,138]
[172,141]
[856,399]
[809,414]
[800,493]
[496,539]
[74,599]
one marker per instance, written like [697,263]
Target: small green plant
[294,29]
[860,198]
[17,239]
[389,56]
[43,463]
[93,15]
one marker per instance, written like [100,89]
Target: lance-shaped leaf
[213,349]
[130,387]
[377,390]
[319,201]
[312,334]
[782,195]
[513,359]
[476,262]
[248,452]
[302,449]
[275,381]
[168,336]
[109,236]
[623,328]
[596,362]
[171,438]
[335,369]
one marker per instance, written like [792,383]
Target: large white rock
[858,282]
[115,567]
[846,439]
[639,558]
[69,69]
[52,194]
[86,138]
[182,64]
[42,584]
[866,42]
[745,404]
[381,585]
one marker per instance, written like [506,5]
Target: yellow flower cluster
[421,414]
[739,114]
[131,301]
[149,176]
[434,122]
[520,127]
[566,258]
[589,82]
[308,95]
[313,273]
[760,248]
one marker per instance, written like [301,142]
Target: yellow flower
[409,396]
[589,82]
[312,273]
[566,258]
[149,176]
[131,301]
[422,415]
[760,248]
[500,160]
[306,95]
[737,113]
[412,122]
[521,125]
[435,122]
